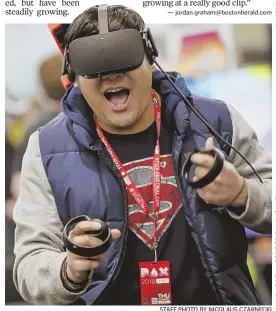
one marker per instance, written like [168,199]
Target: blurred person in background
[67,172]
[49,76]
[17,114]
[20,124]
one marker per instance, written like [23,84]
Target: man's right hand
[78,267]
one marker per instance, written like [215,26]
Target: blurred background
[227,62]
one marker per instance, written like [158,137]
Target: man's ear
[153,68]
[76,82]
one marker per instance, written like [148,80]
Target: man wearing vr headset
[115,154]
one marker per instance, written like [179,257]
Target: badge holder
[155,281]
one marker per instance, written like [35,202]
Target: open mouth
[117,98]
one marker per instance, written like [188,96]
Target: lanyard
[156,175]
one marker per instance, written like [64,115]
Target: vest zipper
[191,220]
[124,234]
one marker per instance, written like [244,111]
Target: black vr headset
[81,57]
[122,51]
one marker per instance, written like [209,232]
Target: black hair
[119,17]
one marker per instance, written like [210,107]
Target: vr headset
[107,52]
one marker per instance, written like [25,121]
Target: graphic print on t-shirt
[141,173]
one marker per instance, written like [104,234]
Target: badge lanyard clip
[155,252]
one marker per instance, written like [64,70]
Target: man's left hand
[224,189]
